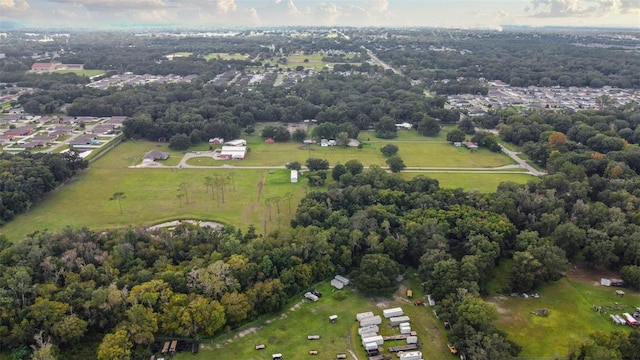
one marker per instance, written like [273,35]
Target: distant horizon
[225,28]
[449,14]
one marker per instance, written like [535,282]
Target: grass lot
[226,56]
[151,193]
[287,332]
[151,196]
[295,60]
[87,73]
[482,182]
[571,317]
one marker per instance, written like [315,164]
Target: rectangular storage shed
[411,355]
[373,320]
[337,284]
[396,321]
[363,315]
[389,313]
[342,279]
[368,330]
[373,339]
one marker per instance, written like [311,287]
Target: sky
[262,13]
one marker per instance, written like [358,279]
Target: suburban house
[233,152]
[353,143]
[404,125]
[21,131]
[469,145]
[325,142]
[86,139]
[269,141]
[117,120]
[154,155]
[216,141]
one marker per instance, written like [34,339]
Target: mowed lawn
[287,332]
[88,73]
[571,316]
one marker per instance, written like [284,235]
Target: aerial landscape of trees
[82,293]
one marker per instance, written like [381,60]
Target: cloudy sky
[436,13]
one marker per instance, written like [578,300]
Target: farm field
[571,316]
[287,332]
[88,73]
[469,181]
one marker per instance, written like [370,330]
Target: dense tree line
[519,59]
[26,177]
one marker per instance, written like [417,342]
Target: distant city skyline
[490,14]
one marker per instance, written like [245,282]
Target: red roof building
[41,67]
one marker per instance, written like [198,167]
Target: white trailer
[373,320]
[396,321]
[389,313]
[342,279]
[620,320]
[363,315]
[370,346]
[411,355]
[405,330]
[373,329]
[373,339]
[311,296]
[412,340]
[337,284]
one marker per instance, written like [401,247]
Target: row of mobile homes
[618,319]
[396,321]
[394,312]
[373,320]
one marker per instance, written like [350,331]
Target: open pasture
[287,331]
[571,315]
[151,197]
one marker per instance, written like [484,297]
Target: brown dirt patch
[497,302]
[586,274]
[260,185]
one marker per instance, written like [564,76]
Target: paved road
[380,62]
[506,169]
[522,163]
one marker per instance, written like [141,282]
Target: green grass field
[151,193]
[151,196]
[87,73]
[571,316]
[287,332]
[226,56]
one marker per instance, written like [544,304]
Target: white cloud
[13,5]
[583,8]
